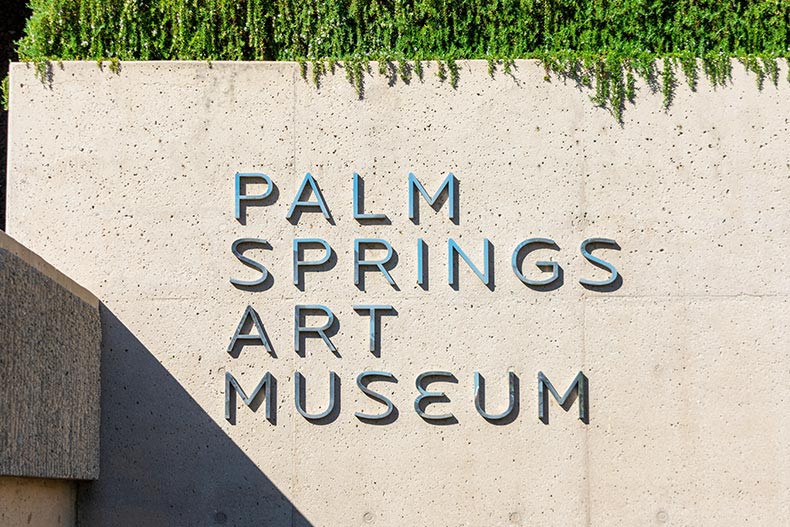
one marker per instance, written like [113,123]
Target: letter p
[241,179]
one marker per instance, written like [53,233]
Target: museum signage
[309,199]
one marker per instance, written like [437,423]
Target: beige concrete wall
[125,182]
[37,502]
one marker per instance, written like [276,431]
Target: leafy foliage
[4,93]
[600,43]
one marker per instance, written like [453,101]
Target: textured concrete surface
[37,502]
[125,182]
[49,397]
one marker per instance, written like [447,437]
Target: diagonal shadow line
[164,461]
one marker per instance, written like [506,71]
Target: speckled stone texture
[34,502]
[125,182]
[50,341]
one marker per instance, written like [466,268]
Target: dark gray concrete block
[50,342]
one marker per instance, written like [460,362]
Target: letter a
[251,338]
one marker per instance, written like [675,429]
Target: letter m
[580,384]
[450,185]
[232,387]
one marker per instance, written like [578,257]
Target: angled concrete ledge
[50,338]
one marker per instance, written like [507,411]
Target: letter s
[598,262]
[249,262]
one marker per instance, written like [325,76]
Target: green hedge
[603,43]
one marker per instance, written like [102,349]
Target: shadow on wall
[164,461]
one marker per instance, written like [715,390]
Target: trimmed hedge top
[294,29]
[601,42]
